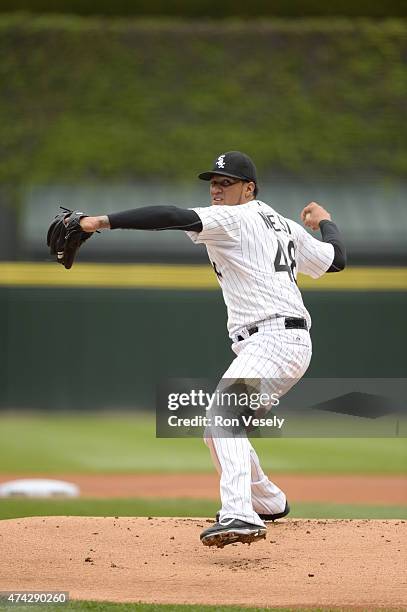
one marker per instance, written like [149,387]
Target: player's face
[227,191]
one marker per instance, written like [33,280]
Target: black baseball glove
[65,236]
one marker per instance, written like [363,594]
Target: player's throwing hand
[313,214]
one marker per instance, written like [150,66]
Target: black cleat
[231,531]
[268,517]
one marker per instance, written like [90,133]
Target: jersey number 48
[282,263]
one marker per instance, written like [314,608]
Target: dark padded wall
[100,348]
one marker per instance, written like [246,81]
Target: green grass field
[15,508]
[107,443]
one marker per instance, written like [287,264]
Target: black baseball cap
[234,164]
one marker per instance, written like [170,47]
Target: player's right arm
[146,218]
[316,257]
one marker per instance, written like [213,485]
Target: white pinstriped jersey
[256,254]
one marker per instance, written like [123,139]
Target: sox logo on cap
[221,161]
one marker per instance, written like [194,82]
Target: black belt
[289,323]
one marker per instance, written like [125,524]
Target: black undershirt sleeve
[156,218]
[330,233]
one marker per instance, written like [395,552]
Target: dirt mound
[161,560]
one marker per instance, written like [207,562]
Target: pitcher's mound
[341,563]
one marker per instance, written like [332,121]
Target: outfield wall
[210,8]
[125,99]
[107,347]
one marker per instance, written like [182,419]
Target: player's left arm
[202,225]
[316,217]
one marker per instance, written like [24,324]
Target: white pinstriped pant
[279,357]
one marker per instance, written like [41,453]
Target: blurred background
[106,112]
[108,106]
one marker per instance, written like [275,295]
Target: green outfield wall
[211,8]
[88,348]
[92,99]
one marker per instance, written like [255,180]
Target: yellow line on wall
[148,276]
[192,277]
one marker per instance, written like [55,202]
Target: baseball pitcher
[256,254]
